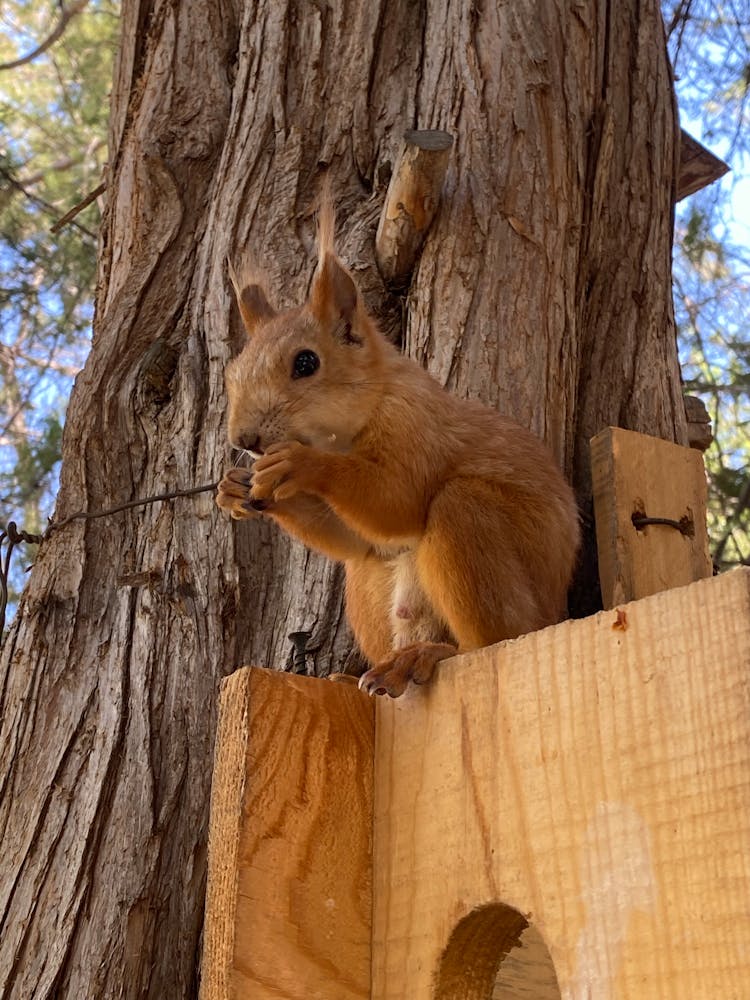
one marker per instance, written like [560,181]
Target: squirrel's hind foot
[414,663]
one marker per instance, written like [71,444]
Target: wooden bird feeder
[566,815]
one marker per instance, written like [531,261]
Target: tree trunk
[543,287]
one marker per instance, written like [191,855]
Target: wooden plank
[595,777]
[288,911]
[633,473]
[227,786]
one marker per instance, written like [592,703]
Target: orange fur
[456,526]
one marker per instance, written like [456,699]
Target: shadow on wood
[494,952]
[527,972]
[469,966]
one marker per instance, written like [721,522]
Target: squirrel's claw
[234,495]
[415,663]
[237,476]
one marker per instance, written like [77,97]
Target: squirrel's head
[308,374]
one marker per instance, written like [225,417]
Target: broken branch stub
[411,203]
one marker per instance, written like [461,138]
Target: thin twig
[743,502]
[40,202]
[69,216]
[66,15]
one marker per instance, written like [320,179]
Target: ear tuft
[326,219]
[334,295]
[254,306]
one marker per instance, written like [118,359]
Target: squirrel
[455,525]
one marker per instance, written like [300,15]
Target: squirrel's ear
[255,308]
[333,296]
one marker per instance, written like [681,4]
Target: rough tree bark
[543,287]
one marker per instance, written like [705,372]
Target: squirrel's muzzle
[247,442]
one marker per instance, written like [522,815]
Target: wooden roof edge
[699,167]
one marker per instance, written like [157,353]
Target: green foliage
[709,43]
[54,111]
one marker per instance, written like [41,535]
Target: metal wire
[11,536]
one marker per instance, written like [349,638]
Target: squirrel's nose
[247,441]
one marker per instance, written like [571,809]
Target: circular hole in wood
[527,971]
[495,954]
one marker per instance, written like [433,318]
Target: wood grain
[593,777]
[632,474]
[230,773]
[289,902]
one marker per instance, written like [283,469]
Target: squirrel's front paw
[414,663]
[234,495]
[284,470]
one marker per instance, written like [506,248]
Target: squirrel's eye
[305,363]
